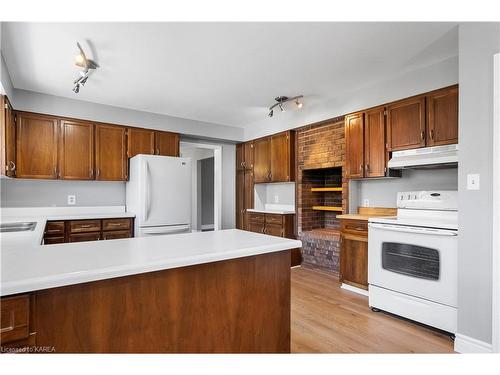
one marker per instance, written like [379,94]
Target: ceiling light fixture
[280,100]
[85,65]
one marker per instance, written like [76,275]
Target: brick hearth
[320,161]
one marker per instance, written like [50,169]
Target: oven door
[417,261]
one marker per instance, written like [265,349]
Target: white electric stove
[412,259]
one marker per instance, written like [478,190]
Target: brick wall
[320,159]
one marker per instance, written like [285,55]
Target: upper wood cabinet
[442,117]
[76,150]
[375,154]
[166,143]
[425,120]
[7,139]
[274,158]
[140,141]
[283,157]
[36,146]
[406,124]
[245,155]
[110,153]
[262,160]
[354,132]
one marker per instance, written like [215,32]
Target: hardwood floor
[328,319]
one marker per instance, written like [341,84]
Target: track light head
[281,107]
[298,104]
[270,114]
[76,89]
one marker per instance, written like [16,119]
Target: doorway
[206,173]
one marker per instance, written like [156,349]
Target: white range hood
[428,157]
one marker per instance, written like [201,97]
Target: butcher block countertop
[365,213]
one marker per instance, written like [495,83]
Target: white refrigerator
[159,194]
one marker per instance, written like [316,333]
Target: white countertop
[269,211]
[41,215]
[36,267]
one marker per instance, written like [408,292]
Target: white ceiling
[225,73]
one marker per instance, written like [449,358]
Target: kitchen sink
[18,227]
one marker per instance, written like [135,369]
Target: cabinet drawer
[14,318]
[358,227]
[82,237]
[274,219]
[84,226]
[52,240]
[256,217]
[116,234]
[54,228]
[116,224]
[274,230]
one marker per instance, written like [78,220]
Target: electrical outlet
[276,199]
[71,199]
[366,203]
[473,182]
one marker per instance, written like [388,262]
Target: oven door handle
[415,230]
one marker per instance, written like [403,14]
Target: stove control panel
[428,200]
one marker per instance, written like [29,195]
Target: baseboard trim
[353,289]
[465,344]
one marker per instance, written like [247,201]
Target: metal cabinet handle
[431,134]
[361,167]
[367,167]
[12,166]
[422,135]
[7,329]
[98,172]
[86,226]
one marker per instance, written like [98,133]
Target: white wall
[432,77]
[55,105]
[228,179]
[382,193]
[478,42]
[47,193]
[277,193]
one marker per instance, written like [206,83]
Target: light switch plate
[366,203]
[276,199]
[473,182]
[71,199]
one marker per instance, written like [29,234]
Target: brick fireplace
[321,192]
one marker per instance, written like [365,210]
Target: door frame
[217,178]
[496,206]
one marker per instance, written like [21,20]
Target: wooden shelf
[327,208]
[326,189]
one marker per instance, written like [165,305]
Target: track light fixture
[282,100]
[85,65]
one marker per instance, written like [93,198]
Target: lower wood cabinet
[354,253]
[274,225]
[87,230]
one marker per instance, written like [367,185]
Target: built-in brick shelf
[321,184]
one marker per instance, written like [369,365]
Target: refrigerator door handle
[166,230]
[148,191]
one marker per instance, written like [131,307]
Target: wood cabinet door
[274,230]
[442,117]
[110,153]
[248,194]
[375,152]
[354,260]
[354,145]
[36,146]
[406,124]
[140,141]
[248,155]
[262,160]
[117,234]
[256,227]
[240,156]
[280,157]
[83,237]
[7,138]
[240,199]
[166,144]
[76,150]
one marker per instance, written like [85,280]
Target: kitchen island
[209,292]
